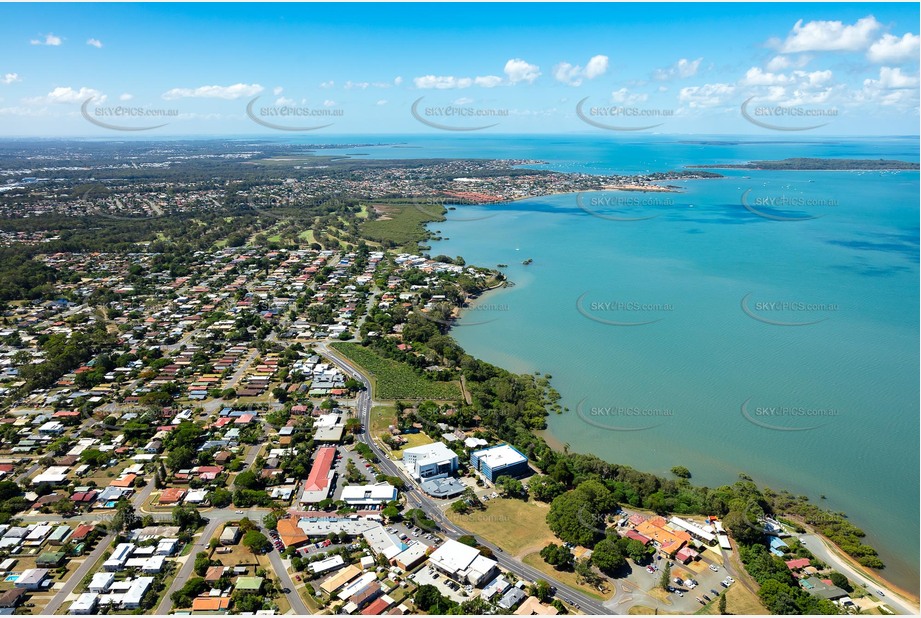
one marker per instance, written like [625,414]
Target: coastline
[876,577]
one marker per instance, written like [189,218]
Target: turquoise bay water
[673,391]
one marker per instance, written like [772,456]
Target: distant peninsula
[816,164]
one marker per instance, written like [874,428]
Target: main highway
[416,498]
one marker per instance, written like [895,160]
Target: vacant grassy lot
[401,222]
[513,525]
[567,577]
[393,380]
[740,601]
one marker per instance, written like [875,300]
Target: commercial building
[430,461]
[463,563]
[368,495]
[319,481]
[499,460]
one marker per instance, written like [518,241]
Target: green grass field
[393,380]
[401,222]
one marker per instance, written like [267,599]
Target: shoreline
[875,576]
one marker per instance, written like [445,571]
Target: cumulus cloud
[830,36]
[328,84]
[66,94]
[683,68]
[235,91]
[126,96]
[382,102]
[487,81]
[708,95]
[890,48]
[277,90]
[574,74]
[397,80]
[282,101]
[9,78]
[517,70]
[892,89]
[49,39]
[94,43]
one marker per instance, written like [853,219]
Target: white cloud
[463,101]
[574,74]
[397,80]
[235,91]
[66,94]
[683,68]
[830,36]
[282,101]
[625,97]
[127,96]
[891,48]
[441,82]
[277,90]
[49,39]
[9,78]
[892,89]
[596,67]
[94,43]
[708,95]
[893,78]
[487,81]
[329,84]
[329,103]
[382,102]
[349,85]
[518,70]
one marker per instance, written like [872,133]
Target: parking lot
[447,587]
[699,582]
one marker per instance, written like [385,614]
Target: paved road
[415,498]
[77,576]
[818,546]
[294,597]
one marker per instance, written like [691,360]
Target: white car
[239,512]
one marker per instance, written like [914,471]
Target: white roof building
[429,461]
[462,562]
[369,494]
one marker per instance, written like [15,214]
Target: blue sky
[524,68]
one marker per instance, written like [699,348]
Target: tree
[247,480]
[722,604]
[460,506]
[186,517]
[608,556]
[125,517]
[220,498]
[256,542]
[574,518]
[665,578]
[840,580]
[544,488]
[353,425]
[542,590]
[557,556]
[511,487]
[202,562]
[428,597]
[180,458]
[681,472]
